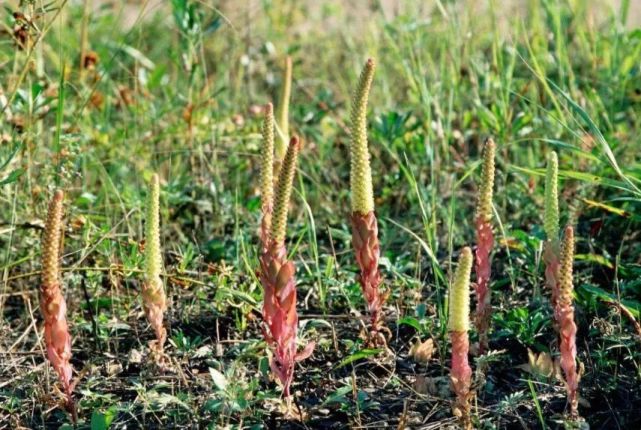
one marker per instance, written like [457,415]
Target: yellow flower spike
[52,302]
[153,293]
[153,259]
[283,110]
[284,191]
[460,294]
[51,241]
[267,161]
[360,172]
[484,205]
[551,216]
[566,287]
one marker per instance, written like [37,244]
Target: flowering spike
[484,205]
[52,302]
[267,160]
[551,217]
[566,287]
[283,110]
[364,222]
[484,244]
[565,318]
[267,173]
[459,322]
[460,293]
[360,172]
[284,191]
[277,275]
[153,294]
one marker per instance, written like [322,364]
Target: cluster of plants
[277,272]
[333,262]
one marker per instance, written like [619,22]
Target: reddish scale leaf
[367,250]
[279,312]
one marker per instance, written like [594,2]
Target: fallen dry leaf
[421,352]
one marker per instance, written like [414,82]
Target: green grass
[173,93]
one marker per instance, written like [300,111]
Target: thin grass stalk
[484,245]
[458,326]
[52,302]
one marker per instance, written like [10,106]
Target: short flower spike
[459,322]
[484,205]
[460,293]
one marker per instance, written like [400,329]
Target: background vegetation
[176,90]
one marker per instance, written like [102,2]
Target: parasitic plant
[52,302]
[364,223]
[267,174]
[283,112]
[484,244]
[153,293]
[565,319]
[459,324]
[551,227]
[277,275]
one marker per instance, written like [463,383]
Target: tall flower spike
[153,293]
[283,110]
[551,226]
[52,302]
[551,216]
[364,223]
[277,275]
[284,191]
[484,244]
[567,326]
[459,323]
[267,173]
[360,172]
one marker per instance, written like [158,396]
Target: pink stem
[277,275]
[367,250]
[461,375]
[568,355]
[484,245]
